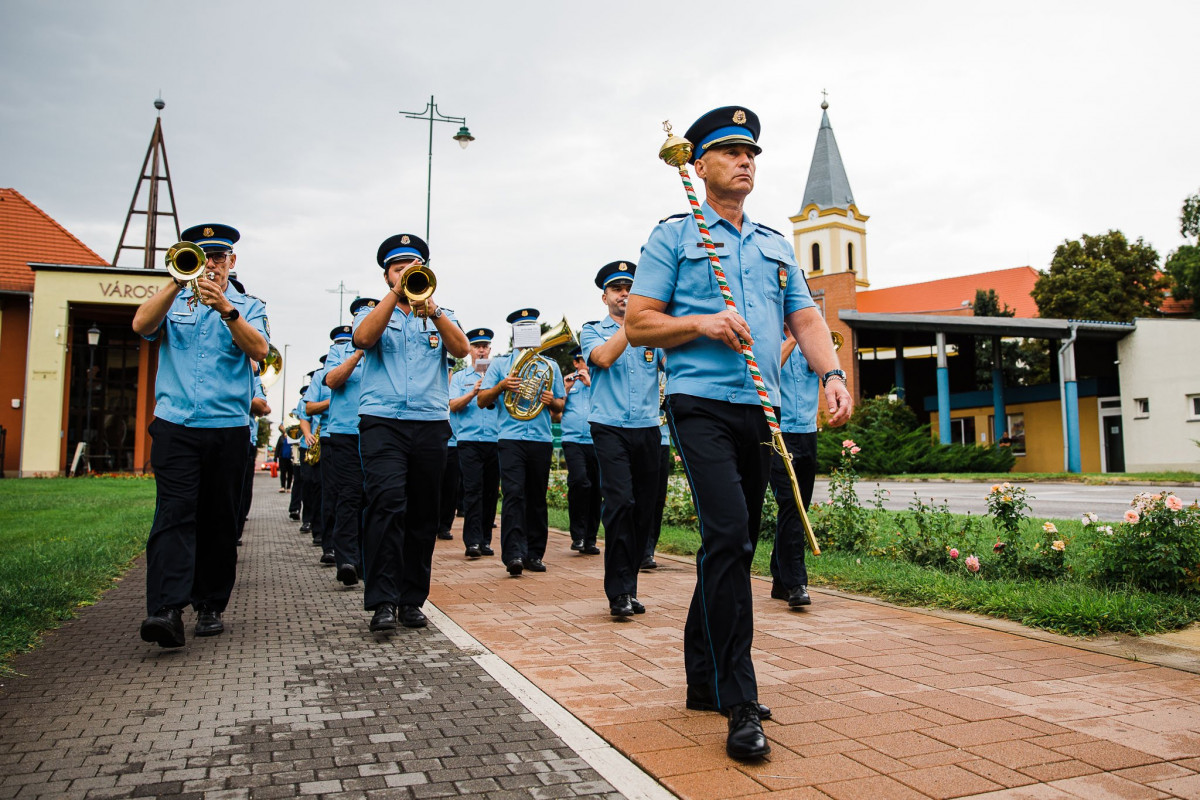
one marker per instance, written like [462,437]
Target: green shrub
[1156,548]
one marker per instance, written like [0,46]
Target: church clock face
[812,214]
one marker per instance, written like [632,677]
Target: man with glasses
[202,398]
[404,410]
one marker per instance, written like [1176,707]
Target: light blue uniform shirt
[318,392]
[302,414]
[453,441]
[342,416]
[257,392]
[203,378]
[574,424]
[404,374]
[624,395]
[798,412]
[534,430]
[766,284]
[472,424]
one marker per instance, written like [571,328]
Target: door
[1114,444]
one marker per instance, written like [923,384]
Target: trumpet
[185,262]
[418,285]
[271,367]
[536,373]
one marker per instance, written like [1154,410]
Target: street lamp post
[283,380]
[463,137]
[93,339]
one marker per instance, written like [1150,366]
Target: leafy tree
[1101,277]
[1189,218]
[1183,266]
[1026,362]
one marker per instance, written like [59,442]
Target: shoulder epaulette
[772,230]
[673,216]
[592,322]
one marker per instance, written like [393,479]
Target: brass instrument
[185,262]
[271,367]
[536,373]
[313,456]
[662,397]
[838,340]
[292,431]
[418,285]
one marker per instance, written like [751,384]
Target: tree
[1101,278]
[1183,265]
[1189,217]
[1026,362]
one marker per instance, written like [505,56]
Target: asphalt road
[1050,500]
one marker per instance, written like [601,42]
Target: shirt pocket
[778,268]
[393,337]
[182,330]
[696,278]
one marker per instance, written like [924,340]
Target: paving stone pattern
[296,699]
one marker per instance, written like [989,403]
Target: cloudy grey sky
[976,136]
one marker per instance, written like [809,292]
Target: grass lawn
[1090,478]
[65,540]
[1068,607]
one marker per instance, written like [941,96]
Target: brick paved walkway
[297,698]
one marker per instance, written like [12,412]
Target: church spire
[828,186]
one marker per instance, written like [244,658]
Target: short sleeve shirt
[537,429]
[575,427]
[624,394]
[342,416]
[766,285]
[318,392]
[404,374]
[472,424]
[798,411]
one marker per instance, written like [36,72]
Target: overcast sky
[975,136]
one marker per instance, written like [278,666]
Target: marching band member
[713,407]
[583,471]
[476,430]
[258,408]
[403,429]
[664,479]
[202,403]
[343,471]
[624,423]
[525,448]
[315,403]
[318,405]
[451,474]
[301,494]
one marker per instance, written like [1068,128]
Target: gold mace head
[675,150]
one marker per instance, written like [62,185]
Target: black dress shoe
[487,551]
[778,591]
[412,617]
[535,565]
[445,535]
[649,563]
[293,515]
[638,608]
[165,627]
[515,566]
[208,623]
[239,541]
[577,544]
[799,597]
[385,618]
[473,551]
[347,574]
[697,701]
[305,527]
[746,740]
[590,550]
[328,558]
[621,606]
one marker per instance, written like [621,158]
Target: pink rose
[972,563]
[995,487]
[953,552]
[1174,503]
[1049,528]
[848,443]
[1132,517]
[854,450]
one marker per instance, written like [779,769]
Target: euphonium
[313,456]
[292,431]
[418,285]
[536,373]
[185,262]
[838,340]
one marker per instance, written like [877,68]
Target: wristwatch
[437,314]
[233,314]
[833,373]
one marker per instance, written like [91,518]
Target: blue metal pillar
[1070,401]
[899,366]
[943,390]
[999,411]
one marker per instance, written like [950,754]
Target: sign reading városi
[133,291]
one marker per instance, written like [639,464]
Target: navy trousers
[344,471]
[787,558]
[629,479]
[524,478]
[479,463]
[583,491]
[660,501]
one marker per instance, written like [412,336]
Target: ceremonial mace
[676,151]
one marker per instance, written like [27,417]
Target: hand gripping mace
[676,151]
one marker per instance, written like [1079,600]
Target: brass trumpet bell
[271,368]
[185,262]
[418,284]
[838,340]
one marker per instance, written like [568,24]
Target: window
[816,257]
[962,430]
[1193,406]
[1141,407]
[1015,432]
[850,256]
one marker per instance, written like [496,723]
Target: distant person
[283,461]
[1005,440]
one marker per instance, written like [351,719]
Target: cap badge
[370,304]
[208,231]
[524,313]
[404,239]
[623,267]
[739,117]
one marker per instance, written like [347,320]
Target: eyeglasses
[216,258]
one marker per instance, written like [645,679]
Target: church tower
[830,235]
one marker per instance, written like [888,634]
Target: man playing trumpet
[202,396]
[404,401]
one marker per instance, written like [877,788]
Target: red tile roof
[947,296]
[29,234]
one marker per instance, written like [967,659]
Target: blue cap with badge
[402,245]
[212,237]
[360,303]
[522,315]
[614,272]
[480,335]
[723,126]
[341,332]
